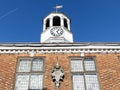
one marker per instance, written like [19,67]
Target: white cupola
[56,29]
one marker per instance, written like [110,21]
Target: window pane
[37,65]
[78,82]
[76,65]
[89,65]
[36,82]
[92,82]
[24,66]
[22,82]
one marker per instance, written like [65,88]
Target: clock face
[56,31]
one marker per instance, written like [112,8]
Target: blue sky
[91,20]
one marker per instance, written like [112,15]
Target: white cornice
[60,48]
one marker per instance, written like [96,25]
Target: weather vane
[58,7]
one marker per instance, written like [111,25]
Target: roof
[57,13]
[29,44]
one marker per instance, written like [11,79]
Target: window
[65,23]
[76,65]
[56,21]
[47,23]
[84,74]
[29,74]
[78,82]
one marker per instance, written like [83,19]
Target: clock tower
[56,29]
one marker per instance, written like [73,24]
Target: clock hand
[57,32]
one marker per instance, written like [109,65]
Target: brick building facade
[86,66]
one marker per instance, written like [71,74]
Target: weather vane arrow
[58,7]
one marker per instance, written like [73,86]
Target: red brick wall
[7,71]
[109,71]
[108,66]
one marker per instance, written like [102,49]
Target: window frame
[84,73]
[31,72]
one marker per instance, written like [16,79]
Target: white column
[62,21]
[44,24]
[51,21]
[68,22]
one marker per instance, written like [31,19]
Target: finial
[58,7]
